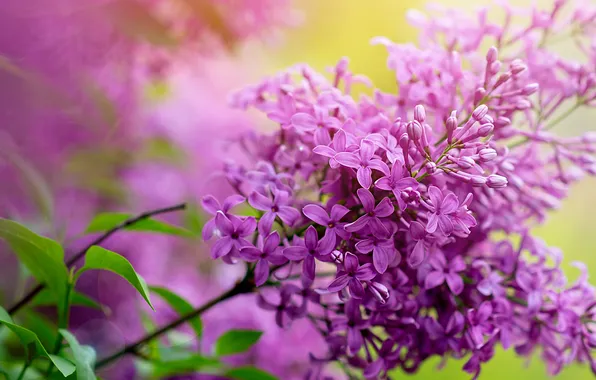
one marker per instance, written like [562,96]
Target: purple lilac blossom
[463,151]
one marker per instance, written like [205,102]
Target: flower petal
[367,199]
[339,283]
[351,263]
[266,222]
[364,176]
[316,213]
[455,283]
[231,201]
[359,224]
[323,150]
[436,196]
[338,211]
[210,204]
[271,243]
[327,243]
[366,272]
[295,253]
[222,247]
[384,208]
[311,238]
[348,159]
[380,260]
[303,121]
[450,204]
[261,272]
[259,201]
[432,224]
[417,255]
[434,279]
[367,150]
[356,288]
[288,215]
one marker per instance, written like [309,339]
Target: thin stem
[22,373]
[127,223]
[550,125]
[244,286]
[63,324]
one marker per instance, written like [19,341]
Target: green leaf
[103,259]
[106,221]
[33,346]
[191,363]
[236,341]
[84,357]
[180,306]
[249,373]
[43,257]
[45,298]
[41,325]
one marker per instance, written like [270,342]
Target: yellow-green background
[336,28]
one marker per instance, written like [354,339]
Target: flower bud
[495,67]
[503,78]
[479,94]
[414,130]
[379,291]
[419,114]
[485,130]
[487,119]
[492,55]
[496,181]
[530,89]
[480,112]
[487,154]
[517,67]
[451,124]
[523,104]
[466,162]
[477,180]
[431,167]
[502,121]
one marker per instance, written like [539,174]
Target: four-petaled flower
[267,251]
[308,250]
[232,231]
[212,206]
[352,276]
[443,208]
[372,214]
[353,323]
[383,251]
[331,221]
[364,161]
[445,272]
[398,182]
[273,208]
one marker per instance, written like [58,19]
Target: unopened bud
[517,67]
[466,162]
[480,112]
[487,154]
[479,94]
[495,67]
[477,181]
[492,55]
[523,104]
[496,181]
[502,121]
[419,114]
[485,130]
[431,167]
[530,89]
[414,130]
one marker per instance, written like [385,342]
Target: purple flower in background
[268,251]
[232,232]
[278,207]
[364,162]
[212,206]
[353,323]
[285,310]
[479,325]
[338,144]
[331,221]
[352,275]
[443,271]
[397,182]
[372,215]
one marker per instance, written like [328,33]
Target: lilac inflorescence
[375,217]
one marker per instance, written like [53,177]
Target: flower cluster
[375,218]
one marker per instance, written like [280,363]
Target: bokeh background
[162,153]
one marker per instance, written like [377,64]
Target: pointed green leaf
[84,357]
[43,257]
[45,298]
[41,325]
[33,346]
[180,306]
[249,373]
[106,221]
[236,341]
[103,259]
[190,363]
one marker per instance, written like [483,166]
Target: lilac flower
[364,162]
[352,276]
[383,251]
[331,221]
[285,311]
[478,324]
[446,272]
[338,144]
[492,285]
[212,206]
[353,323]
[268,251]
[232,232]
[278,207]
[312,248]
[373,213]
[418,253]
[397,182]
[442,206]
